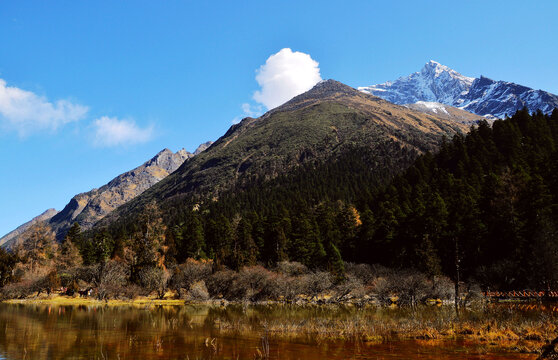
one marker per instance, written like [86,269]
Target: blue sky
[102,86]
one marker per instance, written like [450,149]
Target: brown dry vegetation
[489,325]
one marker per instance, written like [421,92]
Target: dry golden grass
[68,300]
[491,329]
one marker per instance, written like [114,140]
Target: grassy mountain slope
[324,123]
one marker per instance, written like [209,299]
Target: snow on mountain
[445,112]
[434,83]
[434,107]
[481,96]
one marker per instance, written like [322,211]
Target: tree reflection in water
[204,332]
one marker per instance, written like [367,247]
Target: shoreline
[67,300]
[323,300]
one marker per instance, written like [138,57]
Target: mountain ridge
[482,96]
[88,207]
[46,215]
[325,121]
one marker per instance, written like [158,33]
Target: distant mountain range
[481,96]
[89,207]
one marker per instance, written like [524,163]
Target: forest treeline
[483,209]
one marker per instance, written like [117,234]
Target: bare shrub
[315,283]
[413,288]
[131,291]
[89,274]
[18,290]
[351,287]
[220,284]
[291,268]
[154,279]
[283,287]
[46,283]
[252,282]
[190,272]
[363,272]
[22,272]
[249,284]
[84,276]
[198,291]
[442,288]
[382,288]
[114,277]
[409,287]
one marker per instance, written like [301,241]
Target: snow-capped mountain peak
[482,96]
[434,69]
[434,83]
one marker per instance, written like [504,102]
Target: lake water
[199,332]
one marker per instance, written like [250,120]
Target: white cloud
[285,75]
[110,131]
[26,112]
[248,110]
[252,110]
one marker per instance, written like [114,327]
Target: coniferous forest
[482,209]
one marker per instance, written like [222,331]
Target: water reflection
[198,332]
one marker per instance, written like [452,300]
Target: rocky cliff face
[8,239]
[481,96]
[88,208]
[203,147]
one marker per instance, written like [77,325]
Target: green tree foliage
[102,247]
[219,236]
[486,198]
[306,244]
[487,202]
[193,237]
[74,235]
[148,245]
[245,250]
[69,255]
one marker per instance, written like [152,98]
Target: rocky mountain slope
[8,238]
[446,112]
[329,120]
[89,207]
[203,147]
[481,96]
